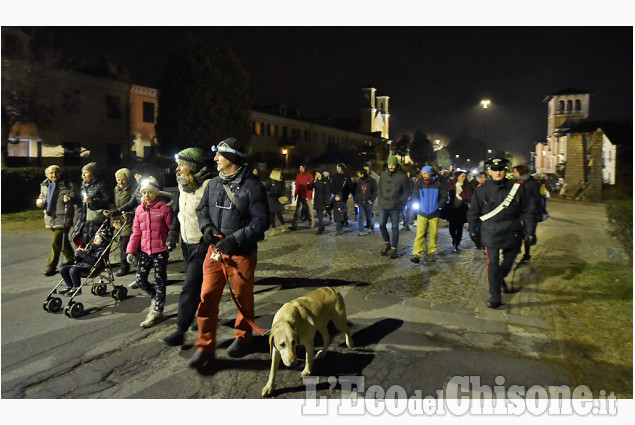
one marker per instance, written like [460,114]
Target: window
[148,112]
[272,130]
[561,106]
[113,107]
[258,128]
[578,105]
[569,105]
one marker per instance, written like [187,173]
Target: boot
[175,339]
[200,359]
[124,270]
[239,348]
[273,232]
[392,253]
[494,302]
[385,249]
[284,228]
[152,319]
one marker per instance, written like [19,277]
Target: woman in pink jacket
[152,221]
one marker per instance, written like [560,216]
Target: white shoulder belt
[503,204]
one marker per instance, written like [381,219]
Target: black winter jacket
[247,222]
[321,193]
[504,229]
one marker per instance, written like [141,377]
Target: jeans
[365,213]
[394,224]
[72,275]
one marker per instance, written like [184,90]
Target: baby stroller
[99,277]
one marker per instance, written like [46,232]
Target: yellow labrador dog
[296,324]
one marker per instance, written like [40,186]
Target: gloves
[476,238]
[530,240]
[227,245]
[209,236]
[172,242]
[131,259]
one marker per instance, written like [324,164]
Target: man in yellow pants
[431,196]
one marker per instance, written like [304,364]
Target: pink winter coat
[150,227]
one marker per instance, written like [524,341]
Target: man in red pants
[233,216]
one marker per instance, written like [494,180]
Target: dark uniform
[504,231]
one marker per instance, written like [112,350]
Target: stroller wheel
[101,289]
[53,305]
[74,310]
[120,293]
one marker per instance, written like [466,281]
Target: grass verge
[597,325]
[26,220]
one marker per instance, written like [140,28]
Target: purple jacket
[150,227]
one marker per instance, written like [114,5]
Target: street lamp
[285,152]
[485,103]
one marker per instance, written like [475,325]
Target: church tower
[374,113]
[566,108]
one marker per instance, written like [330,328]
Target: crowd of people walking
[219,218]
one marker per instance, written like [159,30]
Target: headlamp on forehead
[224,147]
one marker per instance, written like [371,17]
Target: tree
[401,145]
[421,150]
[203,98]
[26,75]
[443,158]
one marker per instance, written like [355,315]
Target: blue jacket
[431,197]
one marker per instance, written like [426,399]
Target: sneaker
[392,253]
[65,290]
[50,272]
[73,291]
[200,359]
[133,285]
[175,339]
[415,259]
[239,348]
[152,319]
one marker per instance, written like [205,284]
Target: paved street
[413,325]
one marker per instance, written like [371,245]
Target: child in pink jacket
[152,221]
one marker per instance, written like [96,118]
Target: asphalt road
[415,326]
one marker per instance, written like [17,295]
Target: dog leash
[218,257]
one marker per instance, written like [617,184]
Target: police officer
[497,213]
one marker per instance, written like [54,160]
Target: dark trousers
[456,231]
[273,216]
[365,214]
[123,243]
[497,269]
[193,257]
[72,275]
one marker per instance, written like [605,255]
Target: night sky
[435,76]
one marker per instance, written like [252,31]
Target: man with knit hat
[192,175]
[393,194]
[431,196]
[233,216]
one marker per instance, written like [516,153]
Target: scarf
[226,178]
[50,207]
[186,184]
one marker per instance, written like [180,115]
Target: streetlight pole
[485,103]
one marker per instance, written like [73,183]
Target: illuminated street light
[485,103]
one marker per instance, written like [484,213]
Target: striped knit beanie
[192,158]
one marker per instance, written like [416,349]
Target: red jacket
[150,227]
[301,180]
